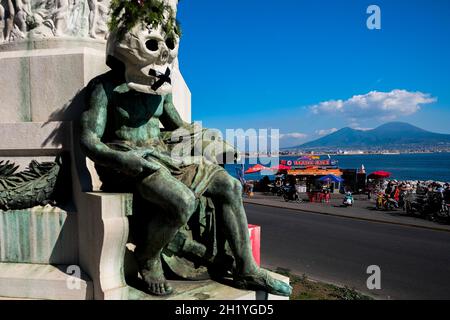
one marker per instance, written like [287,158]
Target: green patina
[127,204]
[25,90]
[30,235]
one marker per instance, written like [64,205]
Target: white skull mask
[149,55]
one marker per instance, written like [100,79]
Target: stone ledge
[53,43]
[209,290]
[35,281]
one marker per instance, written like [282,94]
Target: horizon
[321,70]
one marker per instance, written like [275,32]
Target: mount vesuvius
[391,135]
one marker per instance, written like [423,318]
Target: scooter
[348,200]
[385,202]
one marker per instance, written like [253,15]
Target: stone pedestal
[41,99]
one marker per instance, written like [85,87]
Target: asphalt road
[415,263]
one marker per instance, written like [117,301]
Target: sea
[418,166]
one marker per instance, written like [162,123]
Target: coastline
[324,154]
[422,166]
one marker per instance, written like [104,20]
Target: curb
[350,217]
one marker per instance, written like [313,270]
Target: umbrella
[331,177]
[281,167]
[257,168]
[379,175]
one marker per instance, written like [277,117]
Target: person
[2,23]
[264,184]
[23,10]
[278,182]
[7,15]
[120,132]
[96,7]
[248,188]
[447,193]
[389,188]
[60,16]
[396,193]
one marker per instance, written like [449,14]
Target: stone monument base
[209,290]
[46,282]
[40,281]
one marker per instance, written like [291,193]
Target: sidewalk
[363,209]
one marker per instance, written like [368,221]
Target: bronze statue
[121,134]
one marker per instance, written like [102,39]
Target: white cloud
[384,106]
[325,132]
[293,135]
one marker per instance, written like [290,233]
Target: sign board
[310,163]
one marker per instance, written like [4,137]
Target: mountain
[398,135]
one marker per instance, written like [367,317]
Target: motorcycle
[442,212]
[385,202]
[348,200]
[423,204]
[290,194]
[275,190]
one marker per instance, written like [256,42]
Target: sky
[309,68]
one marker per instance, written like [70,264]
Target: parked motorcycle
[275,190]
[348,200]
[385,202]
[423,204]
[290,194]
[442,212]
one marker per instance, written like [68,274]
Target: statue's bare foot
[260,280]
[153,275]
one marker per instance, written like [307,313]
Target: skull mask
[148,53]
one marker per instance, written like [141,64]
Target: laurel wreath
[125,15]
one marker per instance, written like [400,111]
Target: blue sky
[309,67]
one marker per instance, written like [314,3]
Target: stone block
[42,235]
[15,100]
[35,281]
[54,80]
[42,84]
[34,138]
[103,235]
[43,81]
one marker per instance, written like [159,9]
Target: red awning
[281,167]
[256,169]
[379,175]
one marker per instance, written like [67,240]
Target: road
[414,262]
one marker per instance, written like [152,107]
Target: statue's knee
[185,208]
[231,188]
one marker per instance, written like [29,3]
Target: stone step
[35,281]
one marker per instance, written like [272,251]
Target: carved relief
[32,187]
[22,19]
